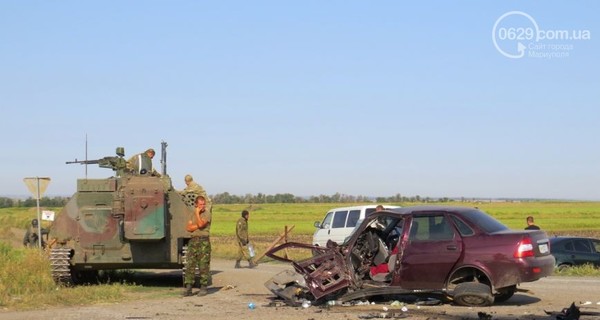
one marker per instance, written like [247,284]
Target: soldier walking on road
[241,231]
[198,249]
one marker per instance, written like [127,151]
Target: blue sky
[306,97]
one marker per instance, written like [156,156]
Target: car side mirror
[317,224]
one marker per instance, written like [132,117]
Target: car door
[584,252]
[432,249]
[596,253]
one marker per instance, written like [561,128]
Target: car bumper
[532,269]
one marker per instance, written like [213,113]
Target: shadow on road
[148,277]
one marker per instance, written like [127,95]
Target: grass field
[553,217]
[267,221]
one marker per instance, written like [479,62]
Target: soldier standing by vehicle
[198,249]
[241,231]
[191,187]
[31,238]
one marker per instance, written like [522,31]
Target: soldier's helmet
[34,222]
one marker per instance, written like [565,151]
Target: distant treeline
[226,198]
[30,202]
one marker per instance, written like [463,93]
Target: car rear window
[463,228]
[486,222]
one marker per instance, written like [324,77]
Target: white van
[339,223]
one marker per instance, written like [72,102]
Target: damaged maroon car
[462,253]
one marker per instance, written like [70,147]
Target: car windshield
[486,222]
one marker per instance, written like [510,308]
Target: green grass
[25,282]
[587,270]
[270,219]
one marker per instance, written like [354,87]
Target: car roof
[561,238]
[370,206]
[413,209]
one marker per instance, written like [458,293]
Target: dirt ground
[233,289]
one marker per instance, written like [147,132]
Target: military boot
[252,264]
[237,264]
[203,291]
[187,291]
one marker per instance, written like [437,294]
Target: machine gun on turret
[117,164]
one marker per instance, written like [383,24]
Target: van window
[339,220]
[327,221]
[353,217]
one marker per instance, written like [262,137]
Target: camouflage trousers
[241,253]
[198,256]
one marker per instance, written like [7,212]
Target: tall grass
[26,282]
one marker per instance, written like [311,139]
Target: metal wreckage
[132,220]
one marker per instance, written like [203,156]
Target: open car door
[325,273]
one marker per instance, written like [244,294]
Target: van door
[343,223]
[321,235]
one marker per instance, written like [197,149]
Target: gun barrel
[83,161]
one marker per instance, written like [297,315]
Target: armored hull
[130,221]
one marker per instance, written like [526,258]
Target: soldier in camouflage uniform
[142,163]
[241,231]
[198,248]
[31,238]
[194,188]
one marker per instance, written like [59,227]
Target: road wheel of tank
[60,265]
[473,294]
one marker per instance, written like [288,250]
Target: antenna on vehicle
[86,157]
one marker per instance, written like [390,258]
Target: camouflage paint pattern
[198,256]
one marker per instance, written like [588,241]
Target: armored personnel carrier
[131,220]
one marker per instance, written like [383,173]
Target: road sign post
[37,187]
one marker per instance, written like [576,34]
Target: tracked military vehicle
[131,220]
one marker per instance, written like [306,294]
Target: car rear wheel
[505,293]
[473,294]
